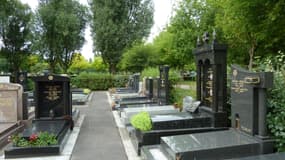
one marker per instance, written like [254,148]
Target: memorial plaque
[52,96]
[10,102]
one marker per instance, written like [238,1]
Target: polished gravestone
[53,113]
[275,156]
[211,92]
[248,135]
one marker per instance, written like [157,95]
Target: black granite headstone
[52,96]
[163,85]
[149,87]
[211,79]
[248,94]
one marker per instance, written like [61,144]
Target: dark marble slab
[50,126]
[180,120]
[211,145]
[275,156]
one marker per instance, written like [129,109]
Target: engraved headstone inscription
[52,96]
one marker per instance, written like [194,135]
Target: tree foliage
[14,32]
[117,24]
[137,58]
[61,26]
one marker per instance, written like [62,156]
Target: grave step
[154,152]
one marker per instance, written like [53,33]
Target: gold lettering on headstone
[252,80]
[52,92]
[209,85]
[238,86]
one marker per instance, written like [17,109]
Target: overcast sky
[162,14]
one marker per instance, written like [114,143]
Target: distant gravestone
[52,96]
[10,102]
[163,85]
[248,94]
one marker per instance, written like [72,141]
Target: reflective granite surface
[51,126]
[275,156]
[208,140]
[171,117]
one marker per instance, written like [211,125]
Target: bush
[99,81]
[276,115]
[141,121]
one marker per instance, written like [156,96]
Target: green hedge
[99,81]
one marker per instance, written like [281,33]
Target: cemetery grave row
[206,135]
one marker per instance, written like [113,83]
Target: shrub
[99,81]
[141,121]
[276,115]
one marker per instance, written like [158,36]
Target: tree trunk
[251,54]
[112,68]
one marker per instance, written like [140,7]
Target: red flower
[33,137]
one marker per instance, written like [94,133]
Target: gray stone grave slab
[11,109]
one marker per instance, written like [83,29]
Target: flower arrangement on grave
[142,121]
[35,140]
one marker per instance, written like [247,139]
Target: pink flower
[33,137]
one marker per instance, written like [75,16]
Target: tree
[78,64]
[117,24]
[254,28]
[175,44]
[62,24]
[14,32]
[137,58]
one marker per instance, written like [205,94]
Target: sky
[163,9]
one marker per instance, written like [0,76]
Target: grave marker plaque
[52,96]
[10,102]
